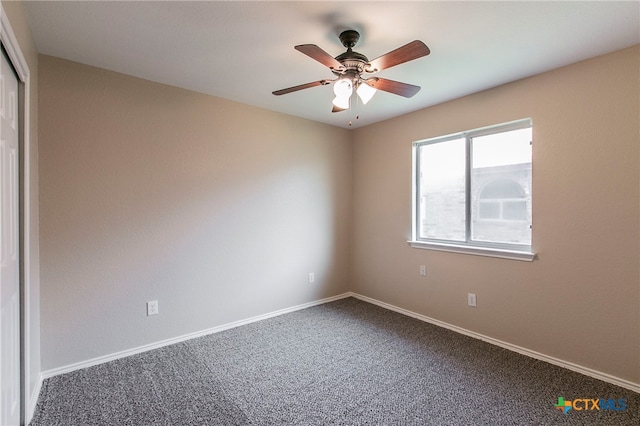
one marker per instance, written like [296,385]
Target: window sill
[477,251]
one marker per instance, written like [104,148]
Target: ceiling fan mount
[350,66]
[349,38]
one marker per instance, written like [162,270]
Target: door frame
[11,46]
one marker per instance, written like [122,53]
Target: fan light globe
[365,92]
[343,88]
[341,102]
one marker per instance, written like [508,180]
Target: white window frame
[507,251]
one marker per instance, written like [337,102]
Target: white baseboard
[128,352]
[635,387]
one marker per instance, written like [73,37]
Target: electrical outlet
[471,299]
[312,277]
[152,308]
[423,270]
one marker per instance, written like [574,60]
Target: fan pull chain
[351,110]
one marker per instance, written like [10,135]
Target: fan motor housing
[352,61]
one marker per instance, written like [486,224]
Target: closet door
[9,250]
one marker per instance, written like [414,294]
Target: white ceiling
[243,51]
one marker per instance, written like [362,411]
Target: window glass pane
[442,190]
[502,149]
[514,210]
[489,210]
[501,187]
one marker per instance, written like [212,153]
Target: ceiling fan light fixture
[365,92]
[343,88]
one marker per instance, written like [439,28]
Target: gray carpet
[342,363]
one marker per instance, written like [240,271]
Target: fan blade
[410,51]
[301,87]
[395,87]
[314,52]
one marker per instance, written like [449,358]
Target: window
[472,191]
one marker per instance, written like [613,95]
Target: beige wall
[216,209]
[18,21]
[580,301]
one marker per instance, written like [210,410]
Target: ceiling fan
[350,66]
